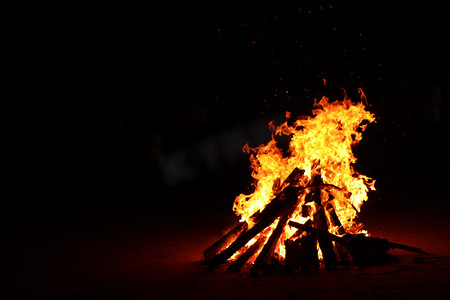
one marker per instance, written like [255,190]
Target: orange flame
[319,145]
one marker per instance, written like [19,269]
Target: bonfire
[303,211]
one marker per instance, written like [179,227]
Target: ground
[153,253]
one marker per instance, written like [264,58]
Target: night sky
[111,105]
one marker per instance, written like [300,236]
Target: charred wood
[266,253]
[364,250]
[367,251]
[287,200]
[334,221]
[309,229]
[293,257]
[325,244]
[407,248]
[244,257]
[228,238]
[320,222]
[309,258]
[298,233]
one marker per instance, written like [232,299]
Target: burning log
[364,250]
[312,230]
[334,222]
[302,253]
[263,258]
[240,262]
[309,258]
[333,218]
[295,250]
[220,245]
[282,204]
[320,222]
[325,244]
[224,241]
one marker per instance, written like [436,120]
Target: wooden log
[261,261]
[320,222]
[224,241]
[306,211]
[309,259]
[297,253]
[324,234]
[230,236]
[422,259]
[331,212]
[293,257]
[325,244]
[298,233]
[286,200]
[293,177]
[334,221]
[242,260]
[365,251]
[405,247]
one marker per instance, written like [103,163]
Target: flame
[321,145]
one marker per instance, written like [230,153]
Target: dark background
[122,107]
[123,128]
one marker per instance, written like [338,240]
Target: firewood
[331,212]
[324,234]
[320,222]
[407,248]
[325,244]
[287,200]
[229,237]
[364,250]
[244,257]
[293,177]
[268,249]
[367,251]
[298,233]
[334,221]
[293,257]
[309,259]
[218,246]
[423,259]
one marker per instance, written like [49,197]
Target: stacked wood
[239,263]
[364,250]
[228,238]
[302,247]
[263,260]
[326,245]
[287,200]
[302,254]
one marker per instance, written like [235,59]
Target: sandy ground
[136,255]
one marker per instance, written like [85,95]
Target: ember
[302,213]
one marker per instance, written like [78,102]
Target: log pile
[302,248]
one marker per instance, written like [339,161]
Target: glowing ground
[155,253]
